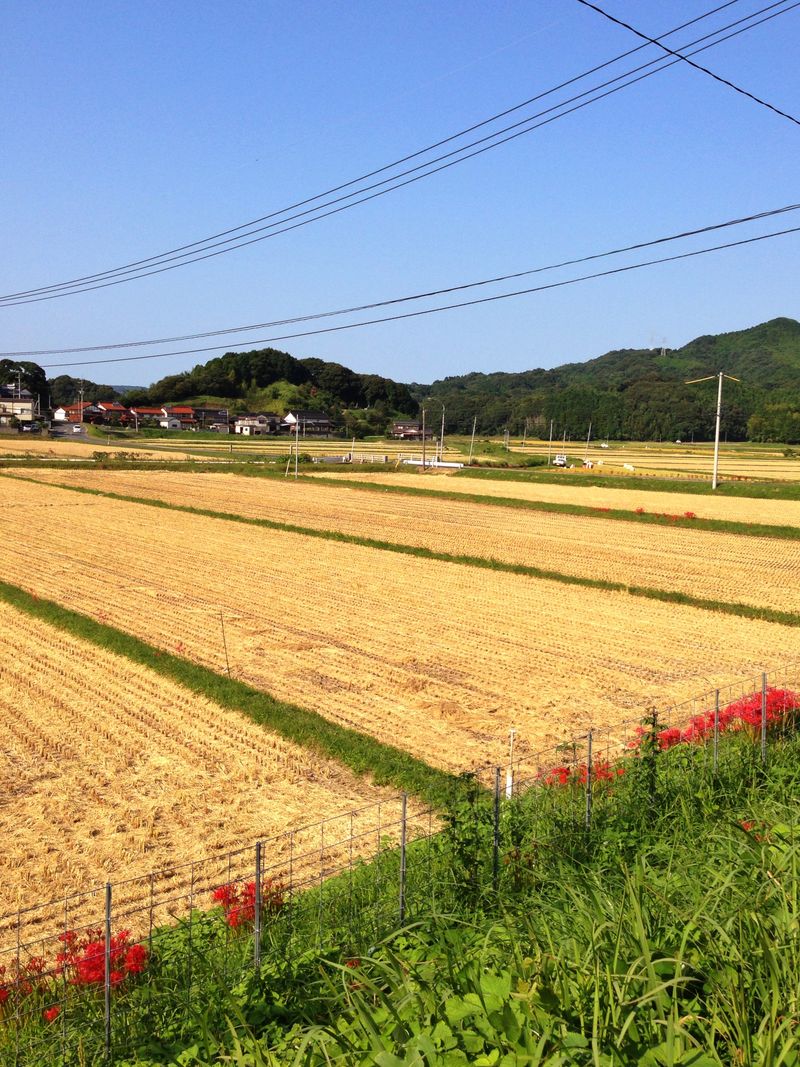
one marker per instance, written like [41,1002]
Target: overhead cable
[163,263]
[441,307]
[406,299]
[696,66]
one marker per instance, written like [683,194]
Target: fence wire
[342,883]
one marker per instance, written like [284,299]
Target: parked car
[77,429]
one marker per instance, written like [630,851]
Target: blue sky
[132,128]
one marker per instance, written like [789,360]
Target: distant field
[715,566]
[732,509]
[741,459]
[438,658]
[110,771]
[43,447]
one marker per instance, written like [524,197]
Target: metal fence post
[107,974]
[716,731]
[403,860]
[764,717]
[589,782]
[496,839]
[257,914]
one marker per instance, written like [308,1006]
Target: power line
[696,66]
[140,268]
[405,299]
[442,307]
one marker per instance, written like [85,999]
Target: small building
[183,413]
[257,425]
[207,417]
[410,430]
[169,422]
[113,411]
[147,414]
[77,413]
[307,423]
[16,403]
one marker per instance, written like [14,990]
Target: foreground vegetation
[655,926]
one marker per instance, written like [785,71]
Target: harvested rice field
[732,509]
[738,460]
[439,658]
[111,771]
[716,566]
[23,446]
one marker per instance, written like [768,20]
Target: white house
[16,403]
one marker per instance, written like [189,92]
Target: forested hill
[640,393]
[269,380]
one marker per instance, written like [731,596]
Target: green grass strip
[363,754]
[748,611]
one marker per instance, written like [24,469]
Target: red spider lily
[689,515]
[239,902]
[83,960]
[639,511]
[602,771]
[739,715]
[51,1014]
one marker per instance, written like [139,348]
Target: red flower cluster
[83,959]
[239,901]
[28,978]
[602,771]
[742,713]
[689,515]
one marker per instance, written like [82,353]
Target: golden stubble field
[111,771]
[27,447]
[438,658]
[571,491]
[691,460]
[759,571]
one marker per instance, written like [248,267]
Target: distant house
[257,425]
[169,422]
[308,423]
[16,403]
[77,413]
[148,414]
[410,430]
[113,411]
[184,414]
[207,417]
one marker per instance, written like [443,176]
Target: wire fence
[148,945]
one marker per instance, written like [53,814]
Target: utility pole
[441,439]
[709,378]
[80,419]
[550,445]
[423,438]
[472,442]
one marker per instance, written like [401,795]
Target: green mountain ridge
[634,394]
[642,393]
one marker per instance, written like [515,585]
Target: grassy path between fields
[747,611]
[363,754]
